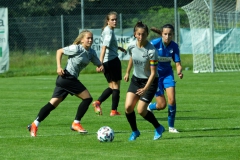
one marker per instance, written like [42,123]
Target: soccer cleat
[172,130]
[78,127]
[114,113]
[158,132]
[32,129]
[97,108]
[148,108]
[134,135]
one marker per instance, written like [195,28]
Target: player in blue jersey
[167,50]
[79,55]
[144,81]
[112,65]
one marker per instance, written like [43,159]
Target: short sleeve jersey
[79,58]
[143,58]
[166,54]
[109,40]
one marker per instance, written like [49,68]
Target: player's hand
[60,71]
[126,77]
[100,69]
[180,75]
[140,91]
[122,49]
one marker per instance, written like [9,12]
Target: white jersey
[143,58]
[109,40]
[79,58]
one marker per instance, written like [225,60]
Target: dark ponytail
[159,31]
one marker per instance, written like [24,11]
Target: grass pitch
[207,117]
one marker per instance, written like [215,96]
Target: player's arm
[130,64]
[59,54]
[95,60]
[122,49]
[179,69]
[102,54]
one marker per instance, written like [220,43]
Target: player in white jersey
[112,65]
[144,81]
[79,55]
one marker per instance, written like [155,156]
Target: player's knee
[88,101]
[161,106]
[171,101]
[128,109]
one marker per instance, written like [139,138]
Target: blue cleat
[158,132]
[134,135]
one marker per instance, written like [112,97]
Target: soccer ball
[105,134]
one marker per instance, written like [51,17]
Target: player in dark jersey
[167,50]
[112,65]
[79,55]
[144,81]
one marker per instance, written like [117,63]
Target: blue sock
[153,106]
[171,115]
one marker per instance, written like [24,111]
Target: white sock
[76,121]
[36,123]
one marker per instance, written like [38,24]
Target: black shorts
[137,83]
[113,70]
[67,84]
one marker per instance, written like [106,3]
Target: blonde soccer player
[79,55]
[112,65]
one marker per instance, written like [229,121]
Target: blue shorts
[165,81]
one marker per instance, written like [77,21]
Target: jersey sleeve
[156,42]
[94,58]
[130,47]
[176,54]
[72,49]
[106,36]
[153,57]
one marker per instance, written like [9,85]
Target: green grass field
[207,117]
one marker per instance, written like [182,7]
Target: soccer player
[112,65]
[167,50]
[144,81]
[79,55]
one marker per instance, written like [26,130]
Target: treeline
[27,8]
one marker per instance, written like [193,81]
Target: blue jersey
[166,54]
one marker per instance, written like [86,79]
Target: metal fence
[39,26]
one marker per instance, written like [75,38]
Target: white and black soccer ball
[105,134]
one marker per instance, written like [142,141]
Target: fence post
[176,20]
[82,13]
[62,30]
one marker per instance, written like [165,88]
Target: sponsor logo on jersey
[164,59]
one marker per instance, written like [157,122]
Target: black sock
[82,108]
[115,98]
[45,111]
[106,93]
[131,117]
[152,119]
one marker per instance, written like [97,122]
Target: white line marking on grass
[71,134]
